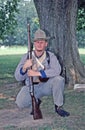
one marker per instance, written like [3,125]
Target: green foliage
[8,9]
[14,29]
[81,27]
[81,38]
[26,11]
[81,19]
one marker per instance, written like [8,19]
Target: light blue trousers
[54,86]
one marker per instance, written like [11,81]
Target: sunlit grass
[13,50]
[8,64]
[82,50]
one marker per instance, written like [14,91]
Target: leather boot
[61,112]
[39,102]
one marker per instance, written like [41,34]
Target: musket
[35,107]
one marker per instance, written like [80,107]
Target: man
[46,76]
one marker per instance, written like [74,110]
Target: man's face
[40,45]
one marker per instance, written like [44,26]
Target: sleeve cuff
[43,74]
[21,72]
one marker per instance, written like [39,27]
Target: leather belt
[42,80]
[36,83]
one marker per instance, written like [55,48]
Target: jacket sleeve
[54,68]
[19,76]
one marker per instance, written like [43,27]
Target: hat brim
[38,39]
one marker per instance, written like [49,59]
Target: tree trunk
[58,19]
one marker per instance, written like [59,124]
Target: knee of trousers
[23,98]
[58,81]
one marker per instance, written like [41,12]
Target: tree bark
[58,20]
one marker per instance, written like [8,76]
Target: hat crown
[39,34]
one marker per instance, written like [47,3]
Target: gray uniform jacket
[51,70]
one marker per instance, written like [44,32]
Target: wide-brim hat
[40,35]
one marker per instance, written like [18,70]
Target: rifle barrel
[35,107]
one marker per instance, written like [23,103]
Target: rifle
[35,107]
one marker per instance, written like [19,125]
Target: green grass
[8,64]
[13,50]
[9,58]
[75,102]
[82,54]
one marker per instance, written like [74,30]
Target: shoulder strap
[60,62]
[48,57]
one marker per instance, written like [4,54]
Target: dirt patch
[12,116]
[20,118]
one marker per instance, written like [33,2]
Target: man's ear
[46,44]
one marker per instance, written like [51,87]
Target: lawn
[74,101]
[9,58]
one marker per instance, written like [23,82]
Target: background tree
[81,24]
[8,9]
[58,18]
[26,10]
[13,21]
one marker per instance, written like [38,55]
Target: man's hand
[27,64]
[33,73]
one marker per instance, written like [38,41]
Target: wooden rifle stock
[35,107]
